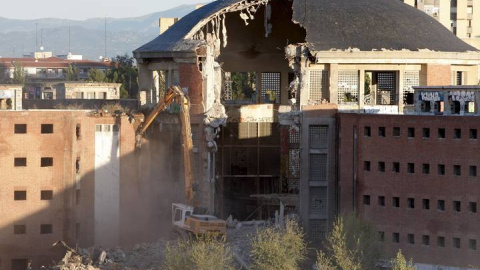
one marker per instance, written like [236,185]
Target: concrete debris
[213,119]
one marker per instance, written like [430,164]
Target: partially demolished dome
[366,25]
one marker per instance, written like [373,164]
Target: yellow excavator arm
[175,95]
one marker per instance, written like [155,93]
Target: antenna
[69,39]
[41,39]
[36,36]
[105,37]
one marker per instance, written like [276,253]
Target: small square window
[381,166]
[396,202]
[20,195]
[46,162]
[19,229]
[426,204]
[367,131]
[411,203]
[457,206]
[395,237]
[457,170]
[472,244]
[98,128]
[473,171]
[47,128]
[366,199]
[426,133]
[411,238]
[441,241]
[441,205]
[20,128]
[381,236]
[473,134]
[366,166]
[457,133]
[411,168]
[46,195]
[46,228]
[396,132]
[441,133]
[411,132]
[472,207]
[441,169]
[381,131]
[20,162]
[426,240]
[396,167]
[426,168]
[78,132]
[456,242]
[381,200]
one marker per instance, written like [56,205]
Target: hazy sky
[83,9]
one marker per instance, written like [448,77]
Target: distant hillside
[87,37]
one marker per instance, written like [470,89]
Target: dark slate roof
[341,24]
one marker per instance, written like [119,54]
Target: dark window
[457,171]
[396,132]
[459,78]
[366,199]
[426,204]
[381,200]
[473,134]
[441,205]
[472,207]
[441,133]
[19,229]
[472,244]
[46,162]
[46,195]
[441,241]
[396,202]
[47,128]
[381,236]
[77,166]
[20,162]
[411,203]
[411,132]
[457,206]
[426,240]
[456,242]
[78,132]
[411,168]
[426,168]
[473,171]
[396,167]
[381,131]
[381,166]
[20,128]
[366,166]
[367,131]
[46,228]
[457,133]
[426,133]
[20,195]
[411,238]
[395,237]
[441,169]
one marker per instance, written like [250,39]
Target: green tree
[352,245]
[276,248]
[19,73]
[72,73]
[96,75]
[201,253]
[123,70]
[399,263]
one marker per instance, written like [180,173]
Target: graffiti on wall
[430,96]
[462,96]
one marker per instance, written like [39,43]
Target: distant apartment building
[462,17]
[72,90]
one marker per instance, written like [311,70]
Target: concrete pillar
[145,78]
[333,83]
[361,91]
[304,82]
[156,87]
[401,74]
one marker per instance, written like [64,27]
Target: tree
[277,248]
[352,245]
[72,73]
[399,263]
[204,252]
[19,73]
[96,75]
[124,71]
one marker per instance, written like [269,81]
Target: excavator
[183,218]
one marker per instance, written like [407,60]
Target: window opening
[271,87]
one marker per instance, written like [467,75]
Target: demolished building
[284,71]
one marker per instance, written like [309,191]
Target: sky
[84,9]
